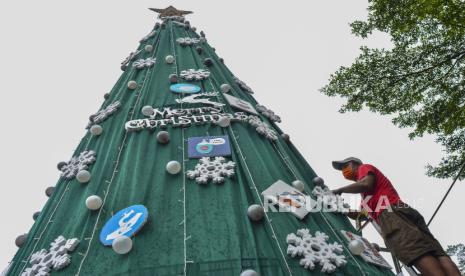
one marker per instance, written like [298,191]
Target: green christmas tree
[192,160]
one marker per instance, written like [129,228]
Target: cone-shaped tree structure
[197,221]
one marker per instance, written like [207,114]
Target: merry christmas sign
[208,146]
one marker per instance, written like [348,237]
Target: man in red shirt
[403,229]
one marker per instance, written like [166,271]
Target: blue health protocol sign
[186,88]
[208,146]
[126,222]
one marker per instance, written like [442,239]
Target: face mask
[348,173]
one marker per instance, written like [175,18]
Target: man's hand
[357,215]
[336,191]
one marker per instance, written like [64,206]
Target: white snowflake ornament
[330,201]
[268,113]
[216,170]
[243,86]
[315,250]
[263,128]
[144,63]
[77,163]
[193,74]
[103,114]
[131,57]
[56,258]
[187,41]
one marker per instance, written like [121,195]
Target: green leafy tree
[420,81]
[458,251]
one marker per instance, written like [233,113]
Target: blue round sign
[126,222]
[184,88]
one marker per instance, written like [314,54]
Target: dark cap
[338,165]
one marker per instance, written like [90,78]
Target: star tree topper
[170,11]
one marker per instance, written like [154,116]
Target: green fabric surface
[130,169]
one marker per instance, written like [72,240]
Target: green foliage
[420,82]
[458,251]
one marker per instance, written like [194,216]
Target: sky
[60,57]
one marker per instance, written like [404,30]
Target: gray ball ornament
[96,130]
[356,247]
[106,96]
[21,240]
[163,137]
[173,78]
[224,121]
[173,167]
[318,181]
[61,164]
[255,212]
[147,110]
[225,88]
[169,59]
[208,62]
[299,185]
[83,176]
[249,272]
[132,85]
[286,137]
[94,202]
[49,191]
[36,215]
[122,245]
[199,50]
[148,48]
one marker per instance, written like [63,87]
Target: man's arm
[366,184]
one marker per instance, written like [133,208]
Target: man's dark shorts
[405,232]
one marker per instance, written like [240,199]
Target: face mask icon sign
[208,146]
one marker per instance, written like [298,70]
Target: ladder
[397,264]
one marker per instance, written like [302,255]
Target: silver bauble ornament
[61,164]
[94,202]
[173,78]
[318,181]
[21,240]
[132,85]
[208,62]
[356,247]
[122,245]
[83,176]
[96,130]
[147,110]
[163,137]
[169,59]
[285,137]
[225,88]
[249,272]
[255,212]
[299,185]
[148,48]
[173,167]
[49,191]
[36,215]
[224,121]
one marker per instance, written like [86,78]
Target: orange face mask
[348,173]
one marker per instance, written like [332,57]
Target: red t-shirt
[383,194]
